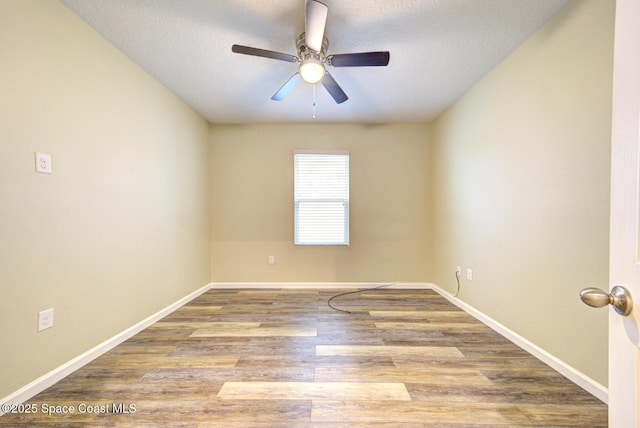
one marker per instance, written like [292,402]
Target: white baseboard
[585,382]
[309,285]
[57,374]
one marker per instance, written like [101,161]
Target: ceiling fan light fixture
[312,56]
[311,70]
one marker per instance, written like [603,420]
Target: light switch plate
[43,163]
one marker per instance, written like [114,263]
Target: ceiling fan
[312,55]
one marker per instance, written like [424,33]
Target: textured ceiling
[439,50]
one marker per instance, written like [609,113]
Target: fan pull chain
[314,101]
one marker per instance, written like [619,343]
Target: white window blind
[321,197]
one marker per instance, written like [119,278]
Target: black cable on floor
[354,292]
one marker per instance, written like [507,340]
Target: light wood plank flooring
[283,358]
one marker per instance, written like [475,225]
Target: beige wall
[521,187]
[121,228]
[252,197]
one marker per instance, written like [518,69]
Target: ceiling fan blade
[334,89]
[314,24]
[361,59]
[286,88]
[247,50]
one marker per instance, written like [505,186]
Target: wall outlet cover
[43,163]
[45,319]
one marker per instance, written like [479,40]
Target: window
[321,198]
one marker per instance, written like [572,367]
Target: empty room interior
[174,204]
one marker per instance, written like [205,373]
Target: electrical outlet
[470,274]
[458,270]
[272,260]
[43,163]
[45,319]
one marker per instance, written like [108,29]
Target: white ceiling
[439,50]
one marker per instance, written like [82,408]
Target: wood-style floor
[283,358]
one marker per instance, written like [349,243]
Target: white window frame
[324,198]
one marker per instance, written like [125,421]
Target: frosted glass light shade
[311,70]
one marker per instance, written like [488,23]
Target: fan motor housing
[304,52]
